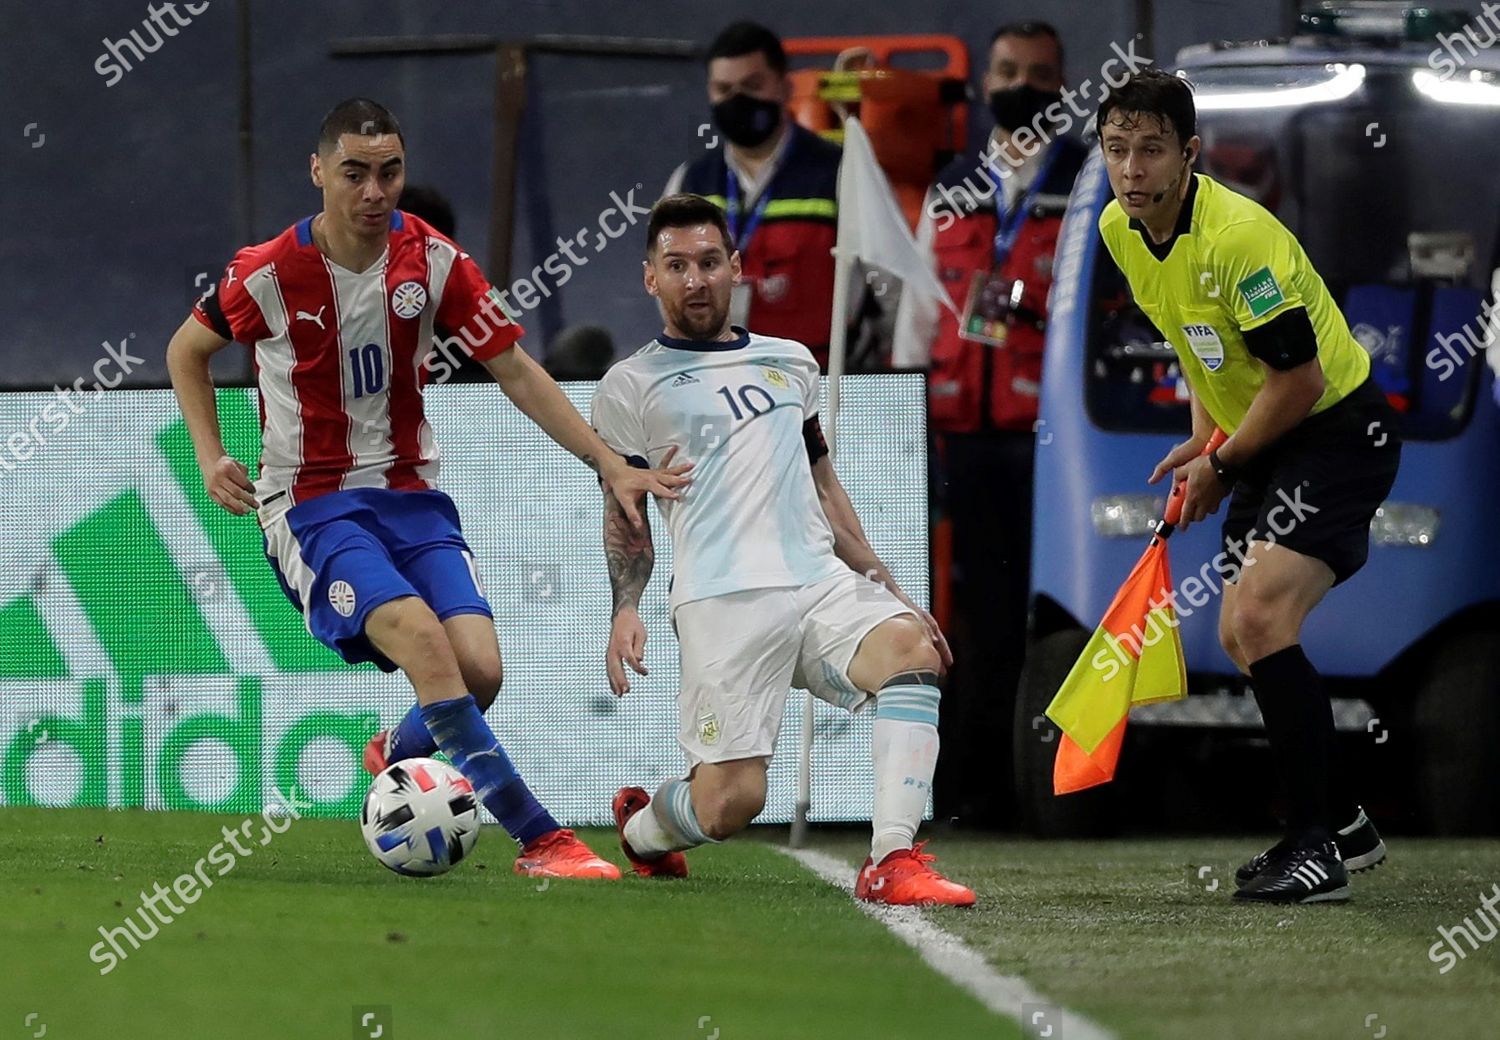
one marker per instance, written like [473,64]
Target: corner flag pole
[843,270]
[872,229]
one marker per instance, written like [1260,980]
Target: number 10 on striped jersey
[367,369]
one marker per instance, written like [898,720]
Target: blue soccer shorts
[341,555]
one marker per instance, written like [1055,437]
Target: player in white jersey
[772,575]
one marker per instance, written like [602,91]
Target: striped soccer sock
[460,730]
[905,749]
[668,824]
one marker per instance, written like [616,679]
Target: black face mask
[745,120]
[1016,107]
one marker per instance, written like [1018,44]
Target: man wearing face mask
[778,185]
[991,221]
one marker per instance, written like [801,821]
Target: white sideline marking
[950,956]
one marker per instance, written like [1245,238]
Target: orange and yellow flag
[1135,657]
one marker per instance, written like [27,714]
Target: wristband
[1228,475]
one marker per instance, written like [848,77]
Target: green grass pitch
[309,932]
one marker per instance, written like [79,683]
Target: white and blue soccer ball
[420,817]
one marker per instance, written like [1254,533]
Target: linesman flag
[1135,657]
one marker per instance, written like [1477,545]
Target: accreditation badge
[1206,345]
[986,308]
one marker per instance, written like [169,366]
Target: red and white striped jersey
[341,358]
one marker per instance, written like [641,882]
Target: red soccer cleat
[629,801]
[904,879]
[560,854]
[376,751]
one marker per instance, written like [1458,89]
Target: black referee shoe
[1302,874]
[1359,844]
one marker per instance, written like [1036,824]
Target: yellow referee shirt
[1229,268]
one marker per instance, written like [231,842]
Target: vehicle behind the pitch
[1405,230]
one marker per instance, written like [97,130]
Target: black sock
[1299,726]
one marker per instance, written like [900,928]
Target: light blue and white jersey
[751,518]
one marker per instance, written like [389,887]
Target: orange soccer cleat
[375,752]
[629,801]
[560,854]
[904,879]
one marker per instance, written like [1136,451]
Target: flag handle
[1168,523]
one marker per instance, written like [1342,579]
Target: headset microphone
[1155,199]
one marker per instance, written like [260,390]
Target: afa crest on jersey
[776,377]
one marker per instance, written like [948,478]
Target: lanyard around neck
[1010,219]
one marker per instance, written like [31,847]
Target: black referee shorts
[1316,489]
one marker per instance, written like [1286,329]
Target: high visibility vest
[975,386]
[788,261]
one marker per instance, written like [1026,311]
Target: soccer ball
[420,817]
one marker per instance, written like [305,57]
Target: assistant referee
[1312,452]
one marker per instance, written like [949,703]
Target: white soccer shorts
[741,653]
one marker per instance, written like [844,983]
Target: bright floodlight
[1342,81]
[1478,89]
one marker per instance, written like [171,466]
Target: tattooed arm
[631,555]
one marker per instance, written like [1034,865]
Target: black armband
[1285,341]
[214,312]
[812,436]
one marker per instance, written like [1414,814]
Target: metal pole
[246,148]
[1145,25]
[838,334]
[597,46]
[510,106]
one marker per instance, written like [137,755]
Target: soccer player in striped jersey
[772,575]
[340,311]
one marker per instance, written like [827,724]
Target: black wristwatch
[1227,474]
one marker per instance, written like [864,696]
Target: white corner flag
[872,227]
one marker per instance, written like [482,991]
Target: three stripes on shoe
[1311,874]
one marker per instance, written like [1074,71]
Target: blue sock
[460,730]
[411,738]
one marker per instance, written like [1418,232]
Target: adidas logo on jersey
[684,378]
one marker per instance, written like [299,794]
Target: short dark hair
[359,116]
[1153,92]
[685,210]
[743,38]
[430,205]
[1030,31]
